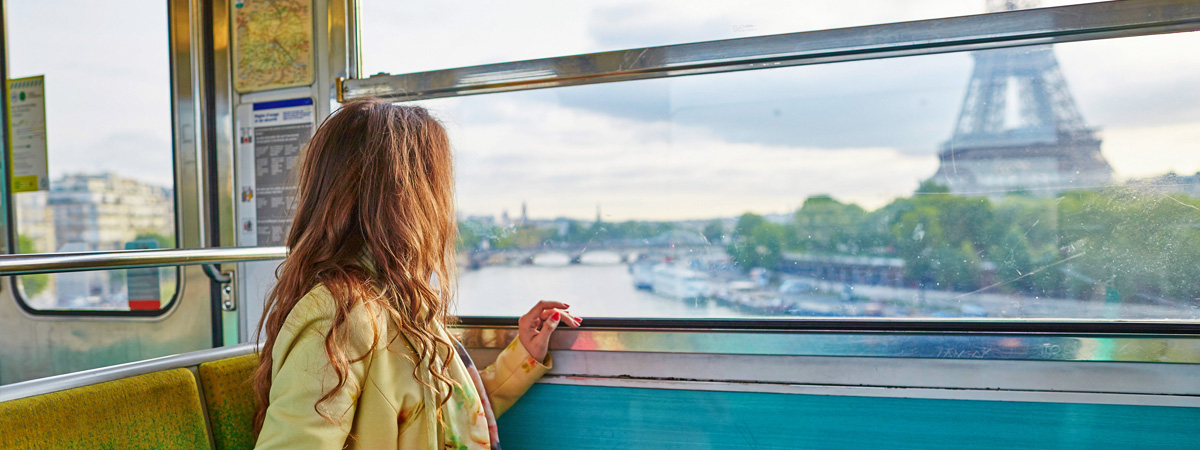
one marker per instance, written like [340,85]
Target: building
[105,211]
[1169,183]
[35,221]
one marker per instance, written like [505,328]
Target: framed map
[272,44]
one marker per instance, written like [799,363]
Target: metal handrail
[132,259]
[89,377]
[1071,23]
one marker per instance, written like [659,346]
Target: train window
[1031,182]
[104,179]
[493,32]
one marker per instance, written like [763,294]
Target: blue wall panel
[579,417]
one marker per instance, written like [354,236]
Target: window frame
[177,61]
[1071,23]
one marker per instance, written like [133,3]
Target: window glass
[1033,182]
[109,153]
[403,37]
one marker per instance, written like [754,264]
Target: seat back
[230,400]
[158,410]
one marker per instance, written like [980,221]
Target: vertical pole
[211,178]
[6,212]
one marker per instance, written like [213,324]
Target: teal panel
[581,417]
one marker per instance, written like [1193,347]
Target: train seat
[229,396]
[157,410]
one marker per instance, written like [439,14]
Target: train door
[106,151]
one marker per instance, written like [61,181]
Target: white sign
[270,137]
[27,134]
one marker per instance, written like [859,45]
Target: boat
[670,280]
[643,275]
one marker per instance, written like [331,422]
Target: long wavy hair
[375,225]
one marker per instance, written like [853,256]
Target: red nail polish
[555,316]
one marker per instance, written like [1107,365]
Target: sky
[680,148]
[762,141]
[107,69]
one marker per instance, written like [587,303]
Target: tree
[756,243]
[1143,245]
[943,238]
[714,232]
[471,234]
[162,240]
[932,187]
[825,225]
[33,284]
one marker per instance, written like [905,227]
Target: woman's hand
[536,326]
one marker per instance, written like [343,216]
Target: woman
[356,352]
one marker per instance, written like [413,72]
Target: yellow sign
[272,44]
[27,134]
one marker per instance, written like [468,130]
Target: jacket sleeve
[301,375]
[511,375]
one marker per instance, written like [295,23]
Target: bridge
[580,254]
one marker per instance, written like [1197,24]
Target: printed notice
[27,134]
[143,285]
[275,135]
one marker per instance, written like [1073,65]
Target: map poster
[270,138]
[272,44]
[27,134]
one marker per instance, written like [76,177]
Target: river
[591,290]
[607,290]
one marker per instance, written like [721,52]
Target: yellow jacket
[382,405]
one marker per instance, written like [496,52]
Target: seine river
[591,290]
[606,290]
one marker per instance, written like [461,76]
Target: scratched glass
[924,187]
[109,148]
[494,32]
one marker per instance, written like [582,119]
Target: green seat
[159,410]
[230,399]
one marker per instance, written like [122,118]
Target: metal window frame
[1072,23]
[182,58]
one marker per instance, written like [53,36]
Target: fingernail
[567,305]
[555,316]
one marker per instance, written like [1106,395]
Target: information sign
[27,134]
[270,138]
[143,285]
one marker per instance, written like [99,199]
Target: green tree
[825,225]
[756,243]
[714,232]
[472,233]
[931,186]
[33,284]
[933,234]
[1145,246]
[162,240]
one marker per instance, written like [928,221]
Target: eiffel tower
[1019,129]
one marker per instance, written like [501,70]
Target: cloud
[1139,152]
[108,97]
[143,156]
[651,170]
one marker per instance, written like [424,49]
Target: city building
[105,211]
[35,222]
[1169,183]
